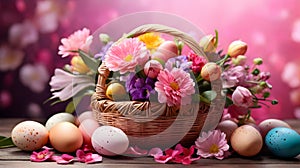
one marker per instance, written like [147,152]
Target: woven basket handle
[184,37]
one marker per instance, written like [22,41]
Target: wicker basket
[151,124]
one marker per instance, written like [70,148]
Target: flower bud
[152,68]
[242,97]
[237,48]
[208,43]
[78,65]
[104,38]
[166,50]
[239,60]
[211,71]
[257,61]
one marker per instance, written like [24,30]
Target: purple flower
[140,88]
[234,76]
[103,51]
[180,62]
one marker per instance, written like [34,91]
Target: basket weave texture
[151,124]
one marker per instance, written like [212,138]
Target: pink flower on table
[87,157]
[242,97]
[178,155]
[126,55]
[80,39]
[212,144]
[174,87]
[63,159]
[41,156]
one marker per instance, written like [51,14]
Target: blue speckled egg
[283,142]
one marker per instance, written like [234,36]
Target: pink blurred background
[31,29]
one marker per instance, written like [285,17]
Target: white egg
[109,141]
[29,135]
[59,117]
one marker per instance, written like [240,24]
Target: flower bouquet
[159,85]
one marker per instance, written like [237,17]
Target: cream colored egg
[59,117]
[109,141]
[268,124]
[29,135]
[246,141]
[65,137]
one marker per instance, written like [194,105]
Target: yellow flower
[78,65]
[152,40]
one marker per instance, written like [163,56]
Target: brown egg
[227,126]
[65,137]
[268,124]
[246,141]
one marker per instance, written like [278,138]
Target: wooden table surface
[15,158]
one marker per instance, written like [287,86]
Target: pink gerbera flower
[80,39]
[212,144]
[125,56]
[174,87]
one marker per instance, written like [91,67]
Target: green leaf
[6,142]
[70,108]
[208,96]
[228,102]
[89,61]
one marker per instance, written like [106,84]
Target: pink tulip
[152,68]
[165,51]
[242,97]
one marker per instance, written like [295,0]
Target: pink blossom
[126,55]
[212,144]
[242,97]
[87,157]
[174,87]
[34,76]
[136,151]
[23,34]
[80,39]
[63,159]
[152,68]
[41,156]
[10,58]
[178,155]
[197,62]
[236,111]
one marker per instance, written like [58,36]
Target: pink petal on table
[136,151]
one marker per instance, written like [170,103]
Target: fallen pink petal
[87,157]
[136,151]
[41,156]
[63,159]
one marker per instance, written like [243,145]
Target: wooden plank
[14,157]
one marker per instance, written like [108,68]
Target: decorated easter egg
[29,135]
[65,137]
[283,142]
[109,141]
[115,91]
[59,117]
[246,140]
[266,125]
